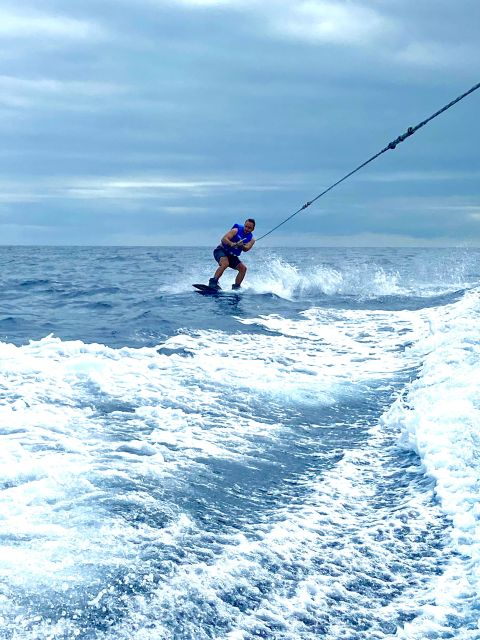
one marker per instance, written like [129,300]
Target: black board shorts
[219,252]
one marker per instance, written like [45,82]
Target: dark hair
[250,220]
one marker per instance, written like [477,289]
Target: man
[238,239]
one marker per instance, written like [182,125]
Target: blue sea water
[297,460]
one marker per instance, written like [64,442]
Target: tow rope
[390,146]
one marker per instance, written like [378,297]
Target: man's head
[249,225]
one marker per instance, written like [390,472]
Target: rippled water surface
[295,460]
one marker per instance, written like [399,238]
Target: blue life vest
[240,235]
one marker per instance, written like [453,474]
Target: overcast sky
[162,122]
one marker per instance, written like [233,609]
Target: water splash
[290,281]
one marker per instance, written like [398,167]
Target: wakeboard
[204,288]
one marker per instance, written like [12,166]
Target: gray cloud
[141,115]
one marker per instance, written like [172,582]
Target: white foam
[65,417]
[287,280]
[357,275]
[334,528]
[439,419]
[351,345]
[70,410]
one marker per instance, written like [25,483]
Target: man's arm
[227,238]
[248,245]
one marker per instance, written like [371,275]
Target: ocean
[296,460]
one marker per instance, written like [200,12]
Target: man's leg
[223,264]
[242,270]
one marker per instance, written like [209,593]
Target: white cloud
[329,22]
[368,24]
[463,206]
[136,188]
[16,24]
[21,92]
[148,187]
[142,187]
[435,54]
[315,21]
[207,3]
[366,240]
[418,176]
